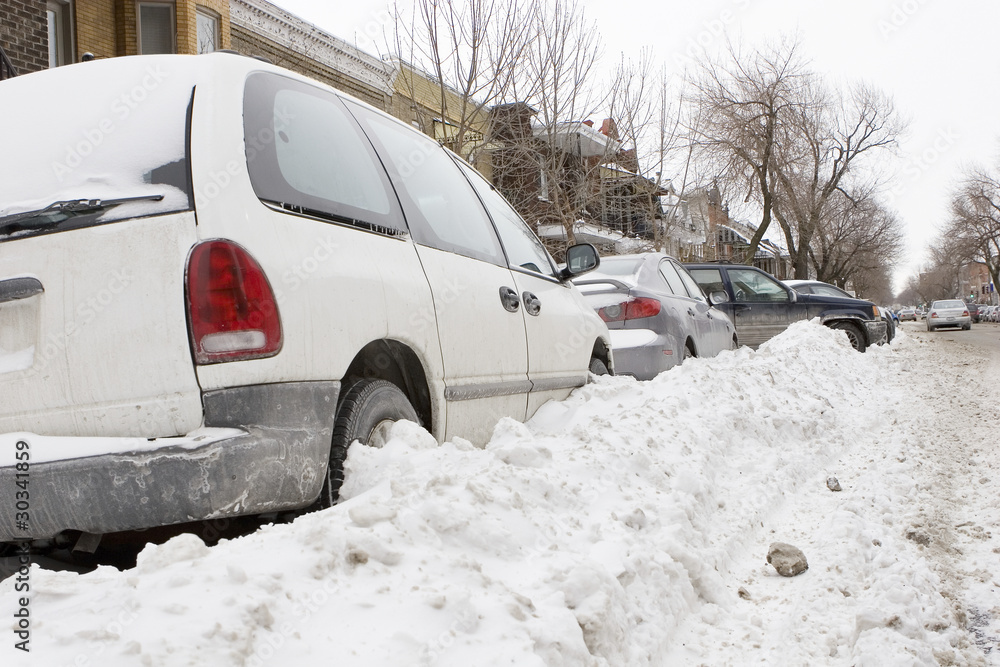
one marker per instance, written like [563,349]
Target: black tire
[366,409]
[736,343]
[598,367]
[854,333]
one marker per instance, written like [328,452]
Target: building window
[156,27]
[208,30]
[59,16]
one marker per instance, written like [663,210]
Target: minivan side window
[306,154]
[524,250]
[440,206]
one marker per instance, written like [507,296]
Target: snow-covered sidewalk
[626,526]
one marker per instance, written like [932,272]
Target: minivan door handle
[19,288]
[508,298]
[532,304]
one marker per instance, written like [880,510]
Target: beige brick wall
[187,23]
[95,28]
[108,28]
[255,45]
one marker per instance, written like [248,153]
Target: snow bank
[627,525]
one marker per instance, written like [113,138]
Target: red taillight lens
[633,309]
[965,313]
[232,312]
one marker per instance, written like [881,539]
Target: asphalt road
[985,335]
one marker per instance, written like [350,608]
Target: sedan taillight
[633,309]
[232,311]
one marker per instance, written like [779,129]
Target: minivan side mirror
[580,259]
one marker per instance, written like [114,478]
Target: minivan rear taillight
[232,312]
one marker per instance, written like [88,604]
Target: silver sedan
[656,313]
[948,313]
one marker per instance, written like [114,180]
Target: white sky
[936,59]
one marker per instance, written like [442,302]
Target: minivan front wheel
[366,415]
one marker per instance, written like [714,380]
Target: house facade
[38,34]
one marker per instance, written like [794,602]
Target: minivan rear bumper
[264,448]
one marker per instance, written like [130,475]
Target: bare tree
[832,138]
[858,242]
[745,106]
[457,58]
[975,219]
[940,279]
[555,90]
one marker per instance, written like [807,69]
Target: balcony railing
[7,69]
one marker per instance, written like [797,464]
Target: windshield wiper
[59,211]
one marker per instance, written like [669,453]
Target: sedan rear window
[619,267]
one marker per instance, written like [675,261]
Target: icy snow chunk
[175,550]
[369,514]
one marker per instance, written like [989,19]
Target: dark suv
[761,306]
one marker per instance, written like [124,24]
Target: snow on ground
[627,525]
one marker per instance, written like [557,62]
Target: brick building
[260,28]
[24,36]
[37,34]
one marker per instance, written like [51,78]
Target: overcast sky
[936,59]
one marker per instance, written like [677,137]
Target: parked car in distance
[908,315]
[973,311]
[656,313]
[949,313]
[761,306]
[241,274]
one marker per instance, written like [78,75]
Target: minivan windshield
[94,143]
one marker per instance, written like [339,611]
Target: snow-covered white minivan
[215,275]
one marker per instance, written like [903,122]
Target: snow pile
[627,525]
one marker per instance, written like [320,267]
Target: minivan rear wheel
[366,415]
[598,367]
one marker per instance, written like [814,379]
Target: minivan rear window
[306,155]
